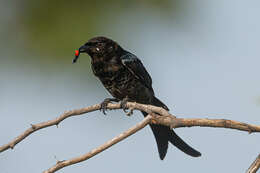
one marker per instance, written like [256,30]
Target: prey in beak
[77,53]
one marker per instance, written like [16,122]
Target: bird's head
[97,48]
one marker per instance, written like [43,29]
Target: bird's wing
[135,66]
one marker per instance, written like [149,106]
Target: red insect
[76,52]
[76,56]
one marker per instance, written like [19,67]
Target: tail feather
[163,134]
[180,144]
[157,102]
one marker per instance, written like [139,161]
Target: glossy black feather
[135,66]
[124,76]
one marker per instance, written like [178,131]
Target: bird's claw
[123,105]
[103,107]
[104,104]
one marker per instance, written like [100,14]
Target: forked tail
[163,134]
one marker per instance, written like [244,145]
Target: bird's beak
[82,49]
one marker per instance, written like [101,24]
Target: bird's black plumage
[124,76]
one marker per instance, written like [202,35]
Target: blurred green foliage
[61,26]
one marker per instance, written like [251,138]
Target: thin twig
[64,163]
[56,121]
[254,166]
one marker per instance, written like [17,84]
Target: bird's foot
[124,107]
[104,104]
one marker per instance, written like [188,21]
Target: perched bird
[126,79]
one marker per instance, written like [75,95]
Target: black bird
[126,79]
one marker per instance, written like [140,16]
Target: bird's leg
[123,104]
[104,104]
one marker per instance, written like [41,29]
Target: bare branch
[174,122]
[254,166]
[162,117]
[62,164]
[156,115]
